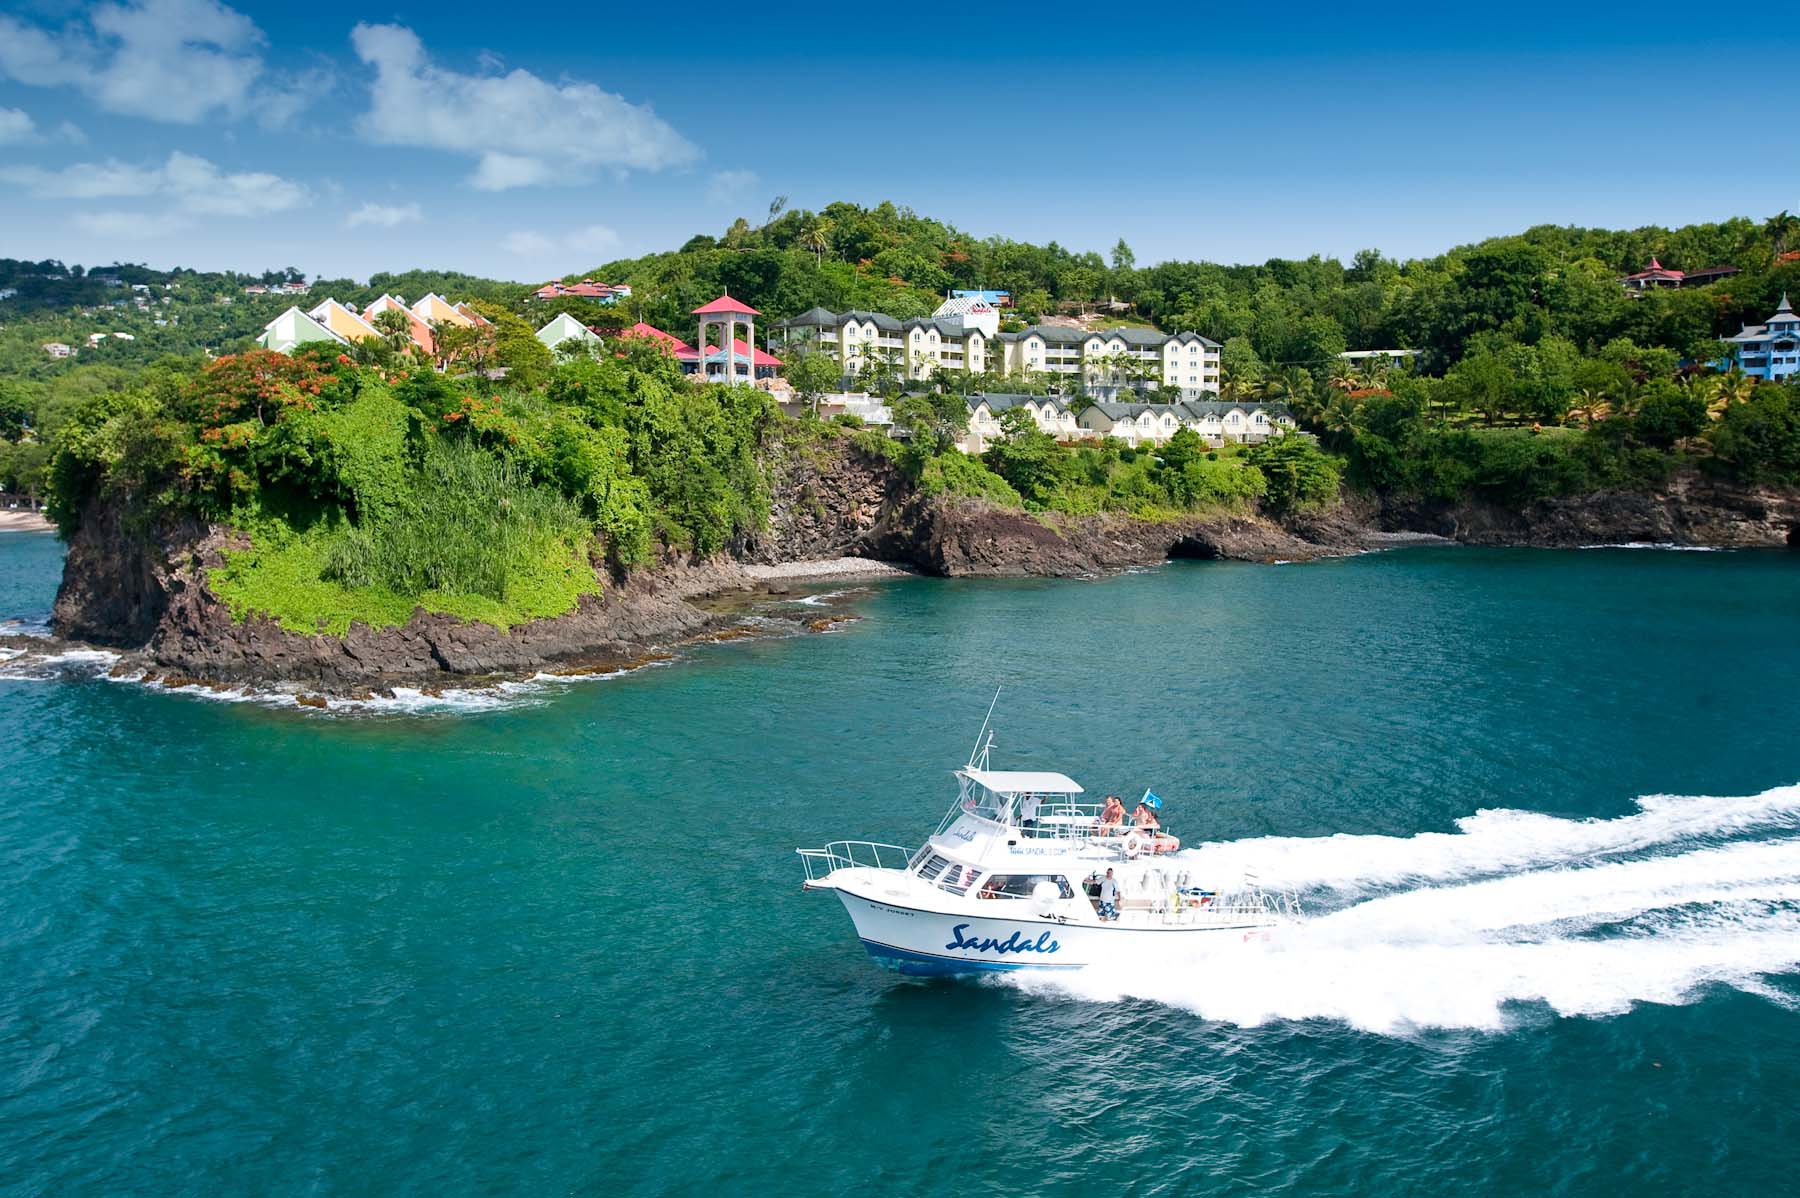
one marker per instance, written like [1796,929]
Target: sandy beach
[836,567]
[19,520]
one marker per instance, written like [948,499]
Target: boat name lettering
[963,834]
[1012,944]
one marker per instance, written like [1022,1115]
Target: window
[1019,886]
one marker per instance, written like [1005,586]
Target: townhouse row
[1104,363]
[1218,422]
[330,321]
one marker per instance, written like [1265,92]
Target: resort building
[57,349]
[295,328]
[1770,350]
[435,309]
[1216,421]
[603,293]
[341,320]
[1656,276]
[1108,361]
[1048,412]
[566,328]
[1385,359]
[748,365]
[416,326]
[974,310]
[958,339]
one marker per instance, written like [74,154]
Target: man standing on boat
[1109,897]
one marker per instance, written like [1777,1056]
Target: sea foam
[1519,910]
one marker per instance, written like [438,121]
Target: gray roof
[1187,409]
[812,318]
[1001,401]
[947,326]
[1130,334]
[880,320]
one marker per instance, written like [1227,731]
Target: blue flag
[1151,801]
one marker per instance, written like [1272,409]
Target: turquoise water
[561,947]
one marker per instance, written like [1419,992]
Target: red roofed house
[1655,275]
[605,293]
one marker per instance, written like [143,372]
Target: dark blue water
[561,946]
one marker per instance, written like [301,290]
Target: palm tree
[1722,391]
[1782,228]
[395,329]
[1590,409]
[817,236]
[1345,378]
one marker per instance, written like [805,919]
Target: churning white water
[1586,917]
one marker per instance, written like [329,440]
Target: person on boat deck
[1028,812]
[1145,815]
[1109,897]
[990,888]
[1113,813]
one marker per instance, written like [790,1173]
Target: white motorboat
[1015,877]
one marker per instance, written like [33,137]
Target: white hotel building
[962,335]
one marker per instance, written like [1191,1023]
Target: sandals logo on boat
[1012,944]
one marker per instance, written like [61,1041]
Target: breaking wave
[1517,911]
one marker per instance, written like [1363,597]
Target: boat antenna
[979,752]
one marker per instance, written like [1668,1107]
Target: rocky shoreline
[835,515]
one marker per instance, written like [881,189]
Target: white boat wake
[1585,917]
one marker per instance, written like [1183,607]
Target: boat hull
[925,943]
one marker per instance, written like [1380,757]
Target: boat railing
[845,854]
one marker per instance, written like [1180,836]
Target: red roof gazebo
[727,314]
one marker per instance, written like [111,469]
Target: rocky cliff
[146,588]
[1691,509]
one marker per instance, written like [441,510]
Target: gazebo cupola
[727,314]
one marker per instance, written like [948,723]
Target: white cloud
[385,216]
[168,60]
[16,127]
[194,186]
[595,239]
[521,129]
[527,245]
[131,225]
[725,186]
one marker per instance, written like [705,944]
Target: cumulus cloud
[194,186]
[595,239]
[16,127]
[168,60]
[523,244]
[522,130]
[385,216]
[726,186]
[136,226]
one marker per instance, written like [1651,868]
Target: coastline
[19,520]
[145,594]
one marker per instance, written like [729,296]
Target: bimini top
[1014,782]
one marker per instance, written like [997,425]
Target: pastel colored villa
[1770,350]
[563,327]
[332,321]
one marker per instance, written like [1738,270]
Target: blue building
[1770,350]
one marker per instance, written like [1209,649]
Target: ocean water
[1543,809]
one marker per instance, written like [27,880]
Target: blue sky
[528,141]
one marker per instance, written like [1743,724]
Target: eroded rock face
[147,588]
[1690,510]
